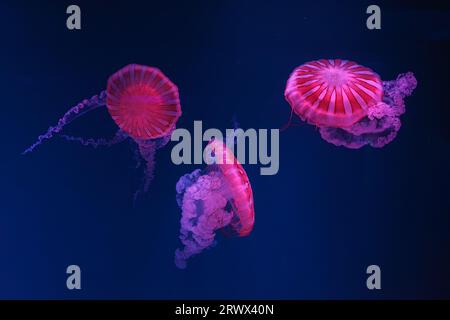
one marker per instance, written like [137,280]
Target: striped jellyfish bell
[143,101]
[333,93]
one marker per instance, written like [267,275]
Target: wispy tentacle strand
[147,149]
[99,142]
[73,113]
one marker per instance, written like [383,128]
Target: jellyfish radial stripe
[333,93]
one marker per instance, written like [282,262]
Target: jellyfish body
[144,104]
[350,104]
[219,197]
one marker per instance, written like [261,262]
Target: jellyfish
[349,103]
[143,103]
[217,198]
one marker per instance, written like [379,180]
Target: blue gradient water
[329,212]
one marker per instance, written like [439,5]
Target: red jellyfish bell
[333,93]
[216,198]
[143,101]
[348,102]
[238,185]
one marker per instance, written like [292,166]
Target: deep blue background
[329,212]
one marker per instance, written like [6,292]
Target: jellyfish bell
[349,103]
[216,198]
[332,93]
[143,103]
[238,185]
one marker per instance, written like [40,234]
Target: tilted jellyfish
[348,102]
[216,198]
[144,104]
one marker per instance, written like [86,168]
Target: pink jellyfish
[216,198]
[145,105]
[348,102]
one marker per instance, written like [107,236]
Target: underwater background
[329,212]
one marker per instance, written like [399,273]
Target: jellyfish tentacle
[147,149]
[118,137]
[73,113]
[136,154]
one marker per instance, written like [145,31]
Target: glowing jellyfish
[145,105]
[216,198]
[348,102]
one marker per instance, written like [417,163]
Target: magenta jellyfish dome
[238,185]
[219,197]
[144,104]
[333,93]
[350,104]
[143,101]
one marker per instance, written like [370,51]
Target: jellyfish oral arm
[73,113]
[197,238]
[395,92]
[203,212]
[382,123]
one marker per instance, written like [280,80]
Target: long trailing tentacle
[73,113]
[290,122]
[100,142]
[136,154]
[147,149]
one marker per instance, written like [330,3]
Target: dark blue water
[329,212]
